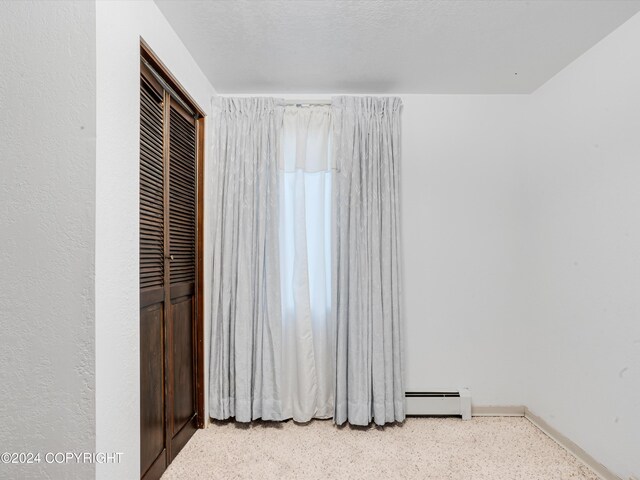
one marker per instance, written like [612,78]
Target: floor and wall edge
[565,442]
[522,411]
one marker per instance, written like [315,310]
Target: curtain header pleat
[368,105]
[247,106]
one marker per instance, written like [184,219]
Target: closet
[171,398]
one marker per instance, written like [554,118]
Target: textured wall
[47,218]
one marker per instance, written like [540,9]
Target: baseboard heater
[439,403]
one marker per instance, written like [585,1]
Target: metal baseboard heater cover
[439,403]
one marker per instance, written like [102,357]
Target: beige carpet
[422,448]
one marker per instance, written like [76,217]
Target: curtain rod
[308,102]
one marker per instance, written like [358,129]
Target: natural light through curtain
[308,365]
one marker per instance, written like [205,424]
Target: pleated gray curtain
[250,376]
[245,356]
[366,261]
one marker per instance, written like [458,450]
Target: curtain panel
[366,284]
[246,324]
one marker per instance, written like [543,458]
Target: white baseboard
[602,471]
[497,411]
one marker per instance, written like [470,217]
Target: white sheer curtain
[308,364]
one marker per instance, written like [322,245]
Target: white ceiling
[387,46]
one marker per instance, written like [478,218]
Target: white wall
[582,280]
[47,228]
[119,28]
[461,227]
[521,226]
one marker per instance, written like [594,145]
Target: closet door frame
[149,56]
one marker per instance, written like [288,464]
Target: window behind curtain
[305,263]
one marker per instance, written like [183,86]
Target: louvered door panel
[152,280]
[151,189]
[182,199]
[168,267]
[182,274]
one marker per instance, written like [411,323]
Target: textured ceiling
[387,46]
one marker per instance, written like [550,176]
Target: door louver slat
[151,189]
[182,198]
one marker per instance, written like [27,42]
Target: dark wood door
[182,274]
[168,303]
[152,281]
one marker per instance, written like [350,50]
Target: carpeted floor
[501,448]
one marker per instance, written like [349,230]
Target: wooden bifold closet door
[168,276]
